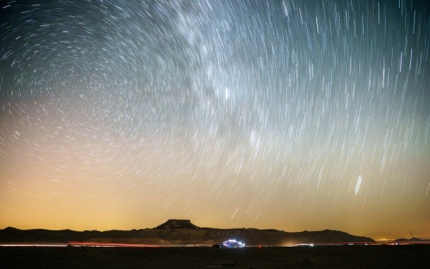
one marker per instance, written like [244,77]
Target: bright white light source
[233,243]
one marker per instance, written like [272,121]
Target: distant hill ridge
[411,240]
[175,231]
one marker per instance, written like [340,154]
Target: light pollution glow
[293,115]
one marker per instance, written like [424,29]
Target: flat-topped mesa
[177,224]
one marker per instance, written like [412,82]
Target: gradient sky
[293,115]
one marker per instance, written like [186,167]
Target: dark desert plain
[363,257]
[181,244]
[296,121]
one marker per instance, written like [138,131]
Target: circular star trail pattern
[294,115]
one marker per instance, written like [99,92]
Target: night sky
[293,115]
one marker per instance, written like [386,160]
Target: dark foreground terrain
[410,256]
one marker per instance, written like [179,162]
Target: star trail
[293,115]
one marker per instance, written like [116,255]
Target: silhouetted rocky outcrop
[177,224]
[181,232]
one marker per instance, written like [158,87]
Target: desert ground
[411,256]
